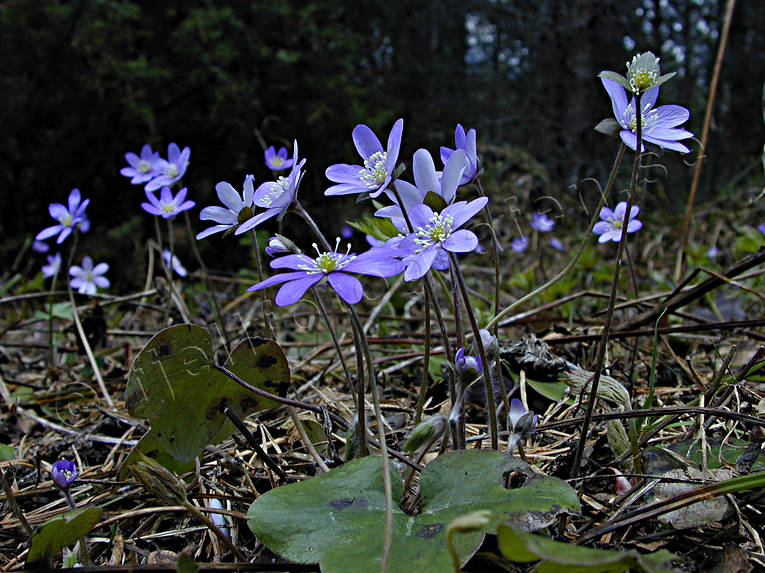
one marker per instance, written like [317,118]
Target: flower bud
[425,433]
[468,366]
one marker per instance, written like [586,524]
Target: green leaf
[173,383]
[150,447]
[378,227]
[57,533]
[7,453]
[524,547]
[434,201]
[609,126]
[618,78]
[338,518]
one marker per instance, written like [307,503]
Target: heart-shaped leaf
[57,533]
[338,518]
[173,383]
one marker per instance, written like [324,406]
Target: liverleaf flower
[437,234]
[520,244]
[87,278]
[275,196]
[377,171]
[171,169]
[278,161]
[53,266]
[68,218]
[174,263]
[167,206]
[542,223]
[63,473]
[468,367]
[467,143]
[520,423]
[143,168]
[334,266]
[237,211]
[658,126]
[611,226]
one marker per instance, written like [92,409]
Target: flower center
[616,223]
[277,190]
[171,170]
[328,262]
[642,79]
[277,161]
[245,214]
[168,207]
[144,166]
[66,220]
[87,275]
[374,172]
[648,119]
[436,231]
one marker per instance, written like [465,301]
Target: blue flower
[167,206]
[176,263]
[68,218]
[64,473]
[237,211]
[658,126]
[87,278]
[53,266]
[437,234]
[275,196]
[171,169]
[611,226]
[375,175]
[143,168]
[520,244]
[466,364]
[466,142]
[542,223]
[278,161]
[333,266]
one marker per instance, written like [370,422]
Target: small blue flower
[176,265]
[143,168]
[520,244]
[333,266]
[171,169]
[275,196]
[466,364]
[542,223]
[167,206]
[63,473]
[611,225]
[467,143]
[68,218]
[237,211]
[87,278]
[278,161]
[375,175]
[556,244]
[53,266]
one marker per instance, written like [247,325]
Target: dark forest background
[85,81]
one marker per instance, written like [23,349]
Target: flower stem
[601,356]
[490,403]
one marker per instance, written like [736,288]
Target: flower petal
[343,173]
[452,175]
[672,115]
[425,172]
[295,261]
[366,141]
[293,291]
[346,286]
[394,143]
[418,265]
[229,196]
[462,241]
[618,99]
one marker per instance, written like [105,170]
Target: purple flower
[40,246]
[63,473]
[275,196]
[53,266]
[87,277]
[520,421]
[346,231]
[437,234]
[276,247]
[520,244]
[143,168]
[171,169]
[334,266]
[542,223]
[375,175]
[466,363]
[761,228]
[237,211]
[426,179]
[610,227]
[556,244]
[278,161]
[176,263]
[468,145]
[659,125]
[167,206]
[67,218]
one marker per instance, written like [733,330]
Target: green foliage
[338,518]
[60,531]
[173,383]
[556,556]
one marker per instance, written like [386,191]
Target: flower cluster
[154,171]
